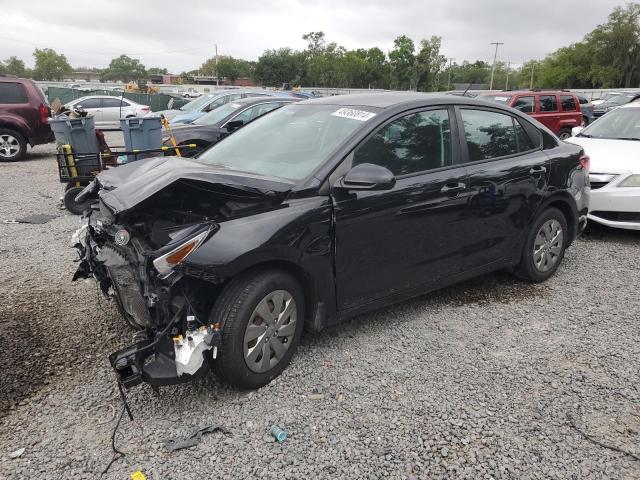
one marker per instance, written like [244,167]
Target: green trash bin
[141,133]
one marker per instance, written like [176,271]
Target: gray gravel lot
[477,381]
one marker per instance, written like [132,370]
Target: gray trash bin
[141,133]
[80,133]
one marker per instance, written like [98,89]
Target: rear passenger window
[12,93]
[410,144]
[568,103]
[548,103]
[525,104]
[492,135]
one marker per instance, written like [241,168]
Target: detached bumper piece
[154,362]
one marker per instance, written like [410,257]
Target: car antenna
[468,87]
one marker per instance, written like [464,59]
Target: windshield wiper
[585,135]
[628,138]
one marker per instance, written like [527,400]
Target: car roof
[387,100]
[264,99]
[631,105]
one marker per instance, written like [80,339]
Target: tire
[13,146]
[543,230]
[69,200]
[585,121]
[242,361]
[564,133]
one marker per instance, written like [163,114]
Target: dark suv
[319,211]
[24,114]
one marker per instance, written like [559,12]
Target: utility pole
[533,66]
[449,83]
[506,87]
[217,78]
[493,68]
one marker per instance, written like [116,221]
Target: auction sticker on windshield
[360,115]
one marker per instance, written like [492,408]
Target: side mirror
[234,125]
[368,176]
[576,130]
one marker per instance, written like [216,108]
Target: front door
[391,241]
[508,173]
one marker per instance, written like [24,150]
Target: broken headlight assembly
[166,262]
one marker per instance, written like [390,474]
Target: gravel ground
[481,380]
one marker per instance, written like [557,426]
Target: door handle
[453,188]
[537,170]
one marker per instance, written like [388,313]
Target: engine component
[189,349]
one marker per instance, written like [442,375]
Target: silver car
[108,110]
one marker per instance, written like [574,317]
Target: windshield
[290,142]
[216,116]
[622,124]
[618,100]
[193,105]
[503,99]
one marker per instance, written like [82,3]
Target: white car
[613,144]
[108,110]
[191,94]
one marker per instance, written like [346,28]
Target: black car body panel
[351,250]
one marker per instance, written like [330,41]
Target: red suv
[24,114]
[559,111]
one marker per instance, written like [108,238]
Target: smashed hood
[128,185]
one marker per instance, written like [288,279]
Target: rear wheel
[585,121]
[13,146]
[262,316]
[544,247]
[564,133]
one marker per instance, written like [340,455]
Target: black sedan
[212,127]
[317,212]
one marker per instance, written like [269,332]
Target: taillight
[584,162]
[145,109]
[44,113]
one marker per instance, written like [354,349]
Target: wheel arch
[303,278]
[566,204]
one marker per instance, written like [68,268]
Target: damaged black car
[317,212]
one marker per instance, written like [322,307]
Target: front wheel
[13,146]
[262,316]
[544,247]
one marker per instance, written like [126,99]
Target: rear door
[548,112]
[571,116]
[112,109]
[525,103]
[92,106]
[508,175]
[392,241]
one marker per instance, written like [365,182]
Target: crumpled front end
[158,300]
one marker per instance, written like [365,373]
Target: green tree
[317,43]
[276,67]
[124,68]
[50,65]
[402,63]
[157,71]
[429,63]
[15,66]
[228,67]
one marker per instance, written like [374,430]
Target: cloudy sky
[180,35]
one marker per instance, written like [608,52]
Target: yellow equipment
[140,86]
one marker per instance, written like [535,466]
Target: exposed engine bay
[137,258]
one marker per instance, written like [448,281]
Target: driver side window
[413,143]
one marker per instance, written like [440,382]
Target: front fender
[299,233]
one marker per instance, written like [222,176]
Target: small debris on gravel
[17,453]
[475,381]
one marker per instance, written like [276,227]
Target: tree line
[607,57]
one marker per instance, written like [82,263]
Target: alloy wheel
[9,146]
[270,331]
[547,245]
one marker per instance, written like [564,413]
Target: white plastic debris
[16,453]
